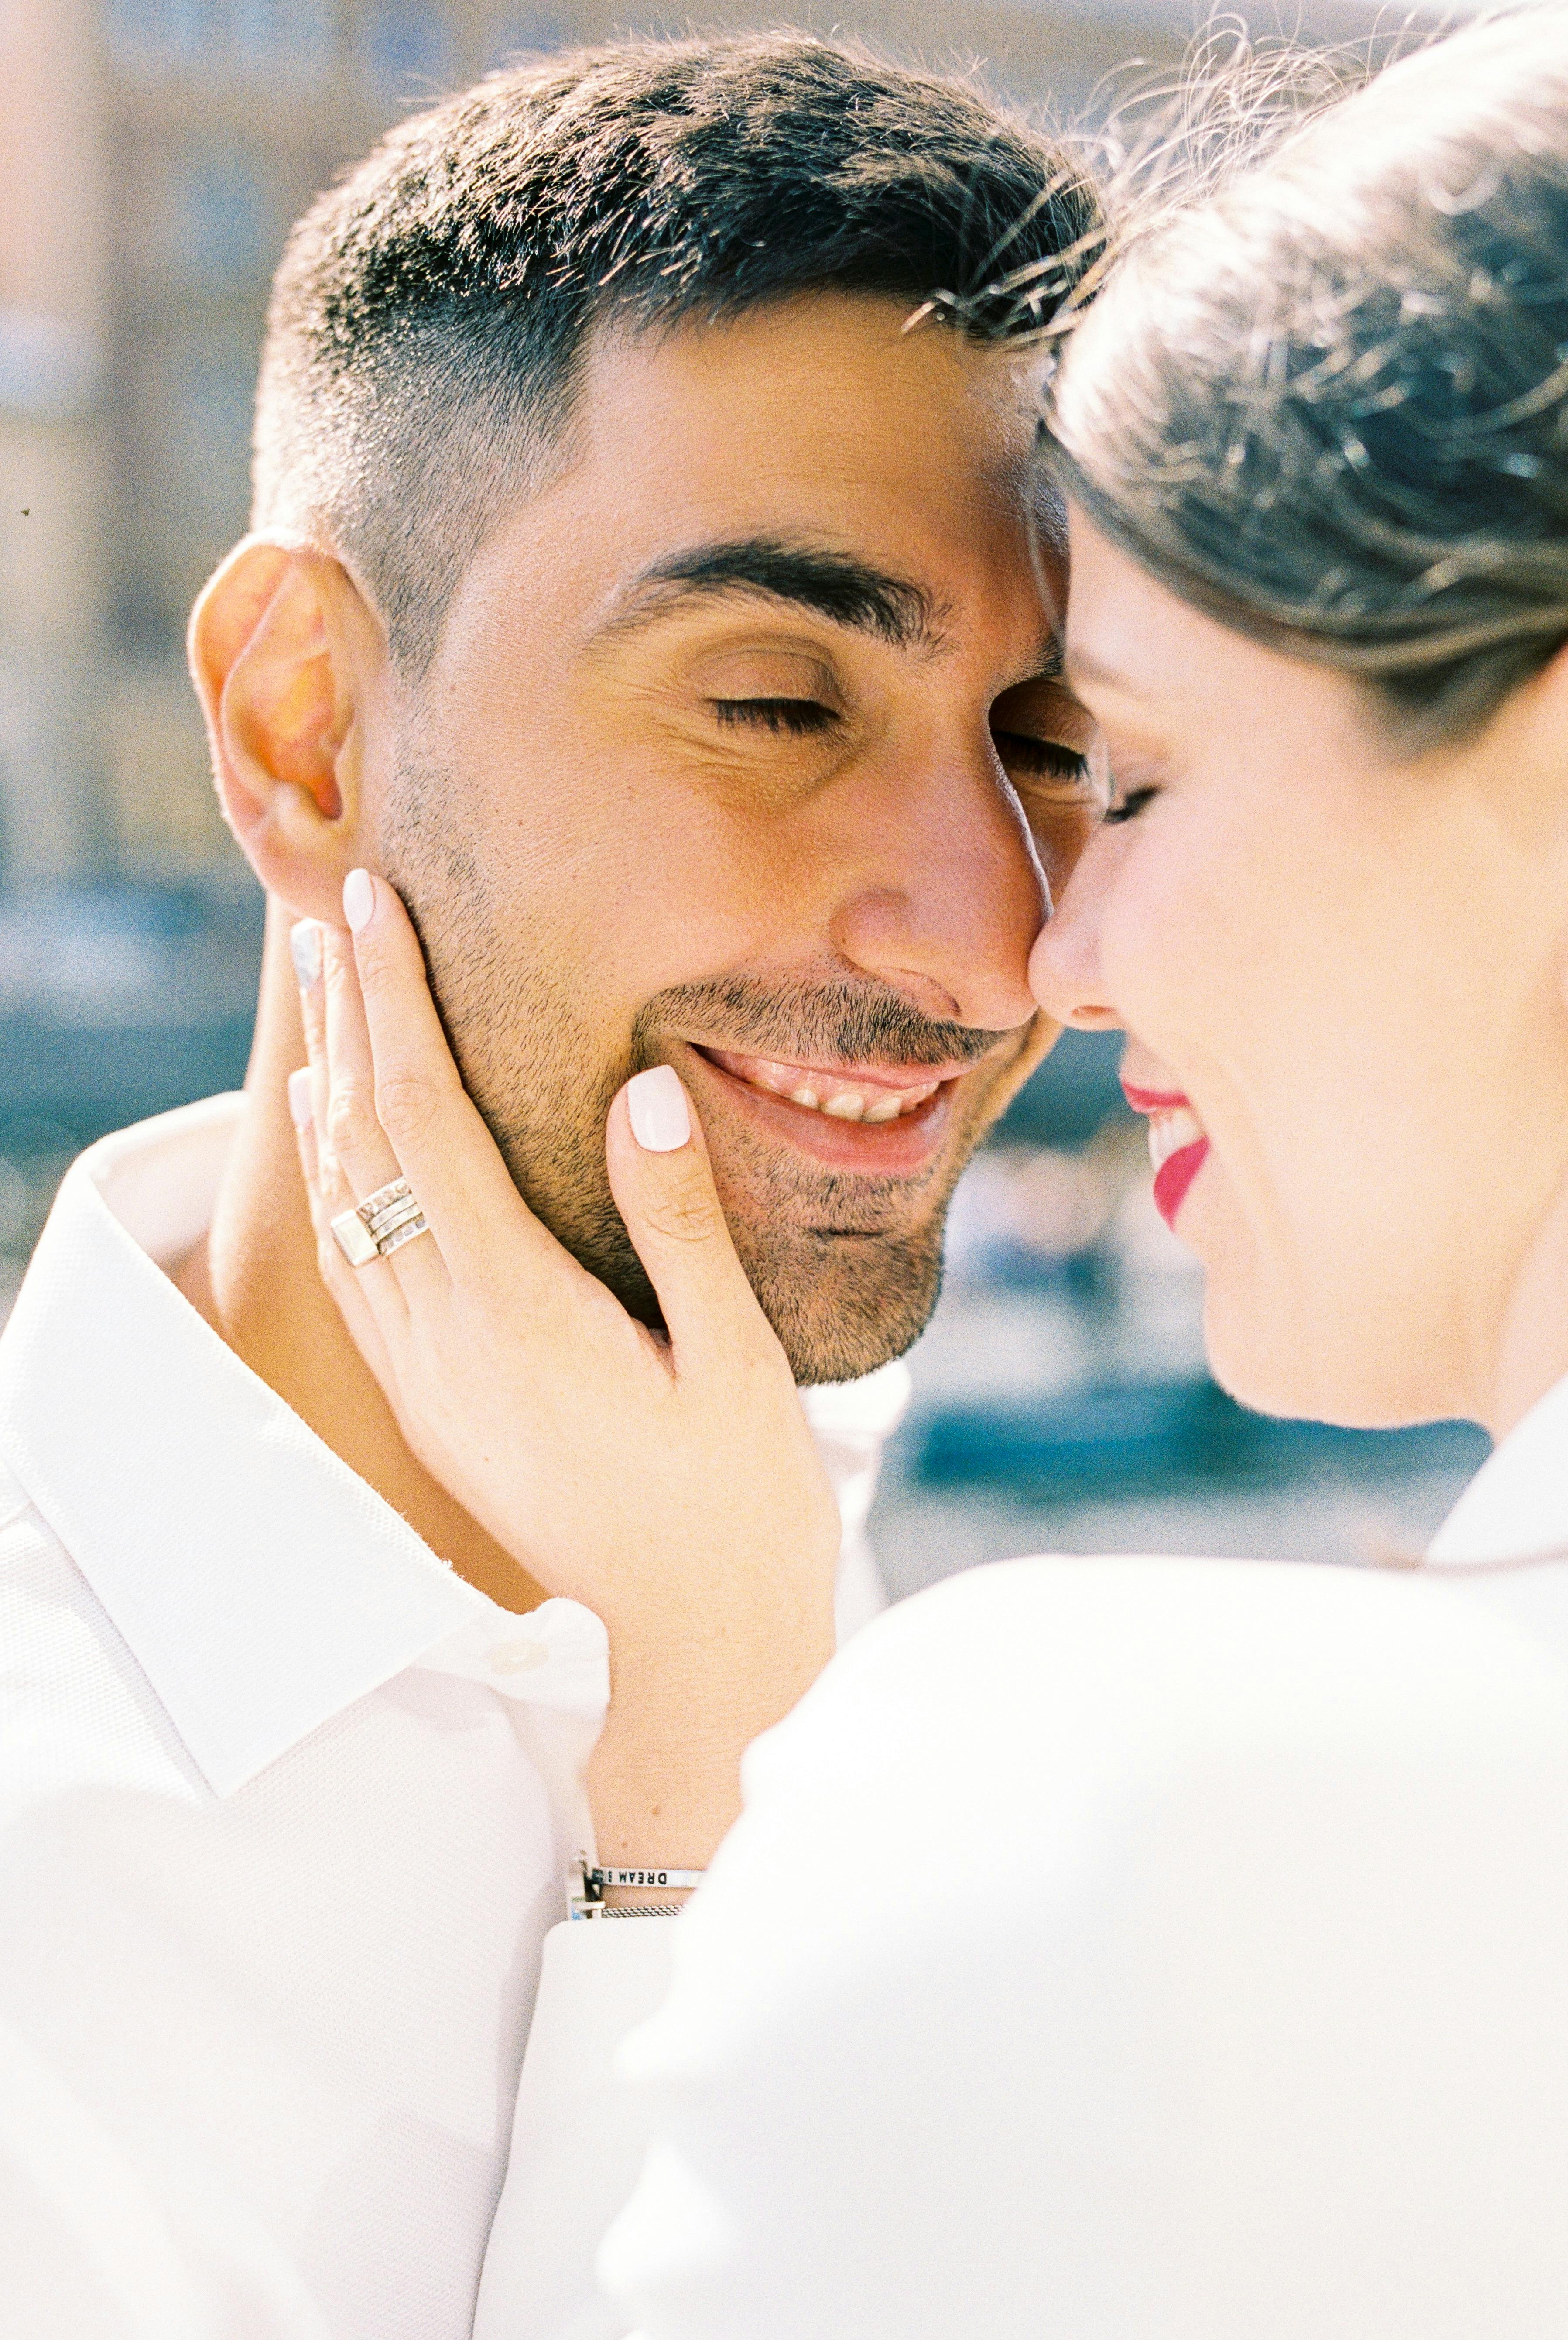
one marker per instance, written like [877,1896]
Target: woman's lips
[1178,1147]
[1174,1175]
[1154,1100]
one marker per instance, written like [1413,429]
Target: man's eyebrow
[837,585]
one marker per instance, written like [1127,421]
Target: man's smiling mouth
[844,1094]
[881,1121]
[834,1079]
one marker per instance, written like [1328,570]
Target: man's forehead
[899,518]
[822,383]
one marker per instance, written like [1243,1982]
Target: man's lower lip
[887,1149]
[1174,1175]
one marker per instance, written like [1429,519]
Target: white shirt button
[518,1657]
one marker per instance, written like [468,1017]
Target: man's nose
[949,898]
[1064,967]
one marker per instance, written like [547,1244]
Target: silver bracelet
[592,1884]
[675,1880]
[602,1911]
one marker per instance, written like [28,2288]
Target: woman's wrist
[664,1779]
[661,1795]
[726,1680]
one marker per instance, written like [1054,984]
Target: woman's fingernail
[358,899]
[299,1095]
[660,1117]
[305,944]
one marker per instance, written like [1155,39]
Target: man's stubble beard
[844,1291]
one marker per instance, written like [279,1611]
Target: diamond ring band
[381,1224]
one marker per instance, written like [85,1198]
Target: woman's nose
[1064,969]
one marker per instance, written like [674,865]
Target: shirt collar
[258,1583]
[1517,1503]
[261,1584]
[852,1421]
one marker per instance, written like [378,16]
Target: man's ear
[285,655]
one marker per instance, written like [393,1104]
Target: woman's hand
[617,1468]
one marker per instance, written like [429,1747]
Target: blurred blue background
[153,154]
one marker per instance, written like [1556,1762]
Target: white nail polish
[300,1097]
[358,899]
[305,948]
[660,1117]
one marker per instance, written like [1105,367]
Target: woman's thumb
[662,1182]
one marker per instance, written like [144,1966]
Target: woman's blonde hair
[1328,402]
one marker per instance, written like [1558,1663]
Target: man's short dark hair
[428,318]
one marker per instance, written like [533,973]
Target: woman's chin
[1269,1355]
[1252,1372]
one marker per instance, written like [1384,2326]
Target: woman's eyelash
[1131,806]
[1047,757]
[796,716]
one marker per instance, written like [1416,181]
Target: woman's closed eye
[1129,807]
[797,718]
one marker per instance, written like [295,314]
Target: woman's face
[1345,963]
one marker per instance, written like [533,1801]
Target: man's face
[742,753]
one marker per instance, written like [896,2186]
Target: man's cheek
[1035,1044]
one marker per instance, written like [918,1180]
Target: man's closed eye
[797,717]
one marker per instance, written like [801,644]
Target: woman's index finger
[442,1146]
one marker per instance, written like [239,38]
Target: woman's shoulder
[1139,1663]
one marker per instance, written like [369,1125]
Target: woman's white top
[1139,1949]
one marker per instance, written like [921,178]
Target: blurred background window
[217,222]
[297,37]
[155,31]
[153,153]
[521,31]
[405,44]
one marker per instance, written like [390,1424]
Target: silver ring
[382,1223]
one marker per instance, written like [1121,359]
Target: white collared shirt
[1515,1509]
[1516,1505]
[1169,1948]
[285,1806]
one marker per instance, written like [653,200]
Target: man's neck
[253,1278]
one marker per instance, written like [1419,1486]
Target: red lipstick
[1174,1175]
[1178,1168]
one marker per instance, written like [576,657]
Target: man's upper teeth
[1169,1131]
[824,1094]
